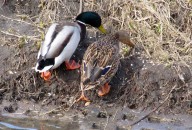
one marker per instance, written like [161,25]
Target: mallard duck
[61,41]
[100,63]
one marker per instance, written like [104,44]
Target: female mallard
[61,42]
[100,63]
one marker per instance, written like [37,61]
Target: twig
[92,4]
[10,34]
[155,108]
[81,6]
[67,109]
[115,114]
[48,112]
[106,121]
[4,2]
[21,21]
[19,36]
[143,19]
[116,19]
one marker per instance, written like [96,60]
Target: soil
[140,84]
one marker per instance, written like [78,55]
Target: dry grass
[162,28]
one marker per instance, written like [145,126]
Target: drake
[61,41]
[100,63]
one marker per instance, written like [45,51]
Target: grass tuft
[161,28]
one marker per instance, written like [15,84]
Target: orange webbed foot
[104,90]
[83,98]
[46,75]
[71,65]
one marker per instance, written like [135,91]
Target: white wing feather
[45,45]
[58,41]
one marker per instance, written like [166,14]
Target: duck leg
[82,97]
[104,90]
[46,75]
[71,65]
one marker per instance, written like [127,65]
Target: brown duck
[100,63]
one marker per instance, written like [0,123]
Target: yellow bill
[102,29]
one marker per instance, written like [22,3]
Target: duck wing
[100,63]
[56,39]
[50,35]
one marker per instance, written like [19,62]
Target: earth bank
[141,83]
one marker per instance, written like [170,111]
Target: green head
[91,18]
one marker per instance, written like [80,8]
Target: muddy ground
[140,84]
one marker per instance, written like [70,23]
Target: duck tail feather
[44,65]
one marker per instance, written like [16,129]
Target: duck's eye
[105,70]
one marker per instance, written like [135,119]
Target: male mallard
[100,63]
[61,42]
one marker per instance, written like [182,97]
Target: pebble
[10,72]
[87,103]
[102,115]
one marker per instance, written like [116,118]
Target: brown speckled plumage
[100,55]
